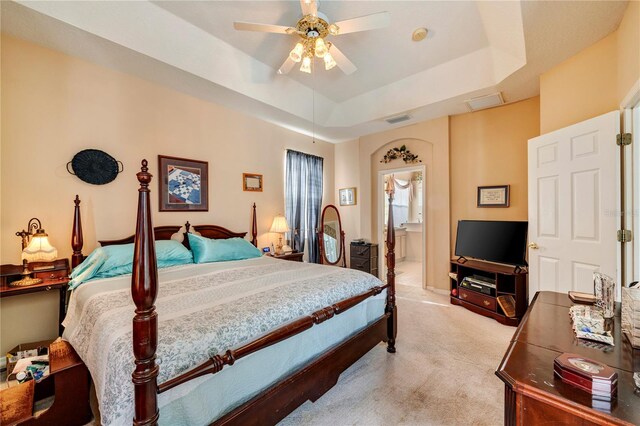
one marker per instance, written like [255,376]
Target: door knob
[533,246]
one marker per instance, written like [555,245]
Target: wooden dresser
[364,257]
[534,396]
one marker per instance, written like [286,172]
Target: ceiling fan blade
[265,28]
[286,66]
[364,23]
[343,63]
[309,7]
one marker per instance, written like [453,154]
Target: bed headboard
[159,233]
[213,232]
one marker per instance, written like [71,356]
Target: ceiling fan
[312,29]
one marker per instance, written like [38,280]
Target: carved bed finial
[254,227]
[76,235]
[144,177]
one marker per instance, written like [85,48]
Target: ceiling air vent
[484,102]
[398,119]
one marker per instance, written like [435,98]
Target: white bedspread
[202,310]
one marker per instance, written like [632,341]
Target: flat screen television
[494,241]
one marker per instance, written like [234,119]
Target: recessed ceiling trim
[170,49]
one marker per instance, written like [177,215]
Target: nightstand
[295,256]
[54,275]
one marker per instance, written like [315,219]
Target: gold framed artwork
[348,197]
[252,182]
[493,196]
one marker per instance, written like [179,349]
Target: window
[303,200]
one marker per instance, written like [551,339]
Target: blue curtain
[303,200]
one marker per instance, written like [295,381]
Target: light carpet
[442,373]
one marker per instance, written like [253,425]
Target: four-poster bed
[308,381]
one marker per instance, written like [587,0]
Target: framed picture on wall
[252,182]
[184,184]
[493,196]
[348,197]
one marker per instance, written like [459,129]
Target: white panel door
[572,205]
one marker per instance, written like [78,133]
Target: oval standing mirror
[331,236]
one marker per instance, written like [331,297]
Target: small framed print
[183,184]
[493,196]
[348,197]
[252,182]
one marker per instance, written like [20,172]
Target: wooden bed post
[392,322]
[76,235]
[144,290]
[254,227]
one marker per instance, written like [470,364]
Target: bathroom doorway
[409,214]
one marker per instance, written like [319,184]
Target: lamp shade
[39,249]
[279,224]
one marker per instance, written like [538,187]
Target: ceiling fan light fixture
[329,62]
[306,65]
[321,48]
[296,53]
[334,29]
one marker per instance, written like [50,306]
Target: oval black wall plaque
[95,166]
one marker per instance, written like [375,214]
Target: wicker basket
[631,315]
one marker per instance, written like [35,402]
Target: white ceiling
[370,50]
[473,48]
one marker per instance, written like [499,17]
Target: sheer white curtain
[401,199]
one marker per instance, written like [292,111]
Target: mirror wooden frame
[323,258]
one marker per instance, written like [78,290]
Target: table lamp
[279,226]
[35,248]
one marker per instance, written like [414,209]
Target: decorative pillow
[207,250]
[112,261]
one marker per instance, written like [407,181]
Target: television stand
[508,281]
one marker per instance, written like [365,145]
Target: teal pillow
[111,261]
[88,268]
[207,250]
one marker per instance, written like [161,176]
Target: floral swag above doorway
[407,156]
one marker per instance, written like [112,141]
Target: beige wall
[54,105]
[582,87]
[347,176]
[359,162]
[490,148]
[596,80]
[628,37]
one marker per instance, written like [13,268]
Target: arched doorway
[409,212]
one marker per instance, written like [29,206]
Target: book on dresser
[364,257]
